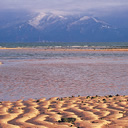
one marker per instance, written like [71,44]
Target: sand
[68,49]
[87,112]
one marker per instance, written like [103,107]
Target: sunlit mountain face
[41,27]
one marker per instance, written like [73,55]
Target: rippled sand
[89,112]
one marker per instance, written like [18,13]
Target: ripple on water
[66,76]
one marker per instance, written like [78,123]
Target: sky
[66,6]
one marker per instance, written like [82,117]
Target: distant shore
[68,48]
[77,112]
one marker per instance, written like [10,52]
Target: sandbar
[65,49]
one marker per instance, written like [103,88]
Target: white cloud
[66,6]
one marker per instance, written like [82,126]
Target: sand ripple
[90,112]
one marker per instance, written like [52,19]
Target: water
[36,73]
[65,44]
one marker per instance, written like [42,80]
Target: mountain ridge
[43,27]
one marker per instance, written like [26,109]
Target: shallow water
[35,73]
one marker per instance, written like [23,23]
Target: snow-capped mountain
[42,21]
[59,28]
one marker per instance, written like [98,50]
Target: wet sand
[76,112]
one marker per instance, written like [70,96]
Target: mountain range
[49,27]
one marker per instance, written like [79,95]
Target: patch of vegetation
[69,120]
[104,99]
[121,112]
[87,97]
[38,101]
[49,107]
[10,110]
[93,97]
[110,96]
[98,101]
[60,99]
[94,121]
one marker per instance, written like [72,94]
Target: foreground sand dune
[87,112]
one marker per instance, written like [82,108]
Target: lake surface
[36,73]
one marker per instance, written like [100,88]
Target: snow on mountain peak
[49,19]
[98,21]
[36,20]
[84,18]
[105,26]
[61,16]
[52,16]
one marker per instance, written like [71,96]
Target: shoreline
[77,112]
[68,49]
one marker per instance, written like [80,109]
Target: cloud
[65,6]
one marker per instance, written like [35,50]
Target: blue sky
[66,6]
